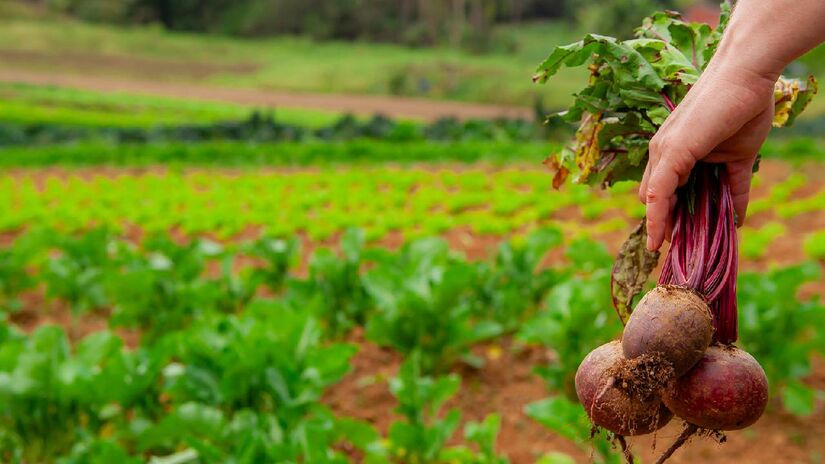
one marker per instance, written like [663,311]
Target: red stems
[703,252]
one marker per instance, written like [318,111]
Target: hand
[724,118]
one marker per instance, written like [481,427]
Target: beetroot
[611,407]
[726,390]
[670,324]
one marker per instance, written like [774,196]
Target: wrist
[745,51]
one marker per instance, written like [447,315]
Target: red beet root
[611,407]
[726,390]
[671,324]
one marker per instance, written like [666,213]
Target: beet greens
[633,86]
[672,342]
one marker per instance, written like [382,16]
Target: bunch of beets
[676,355]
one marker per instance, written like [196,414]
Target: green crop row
[263,126]
[230,154]
[320,202]
[224,373]
[33,104]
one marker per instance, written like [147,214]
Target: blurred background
[320,231]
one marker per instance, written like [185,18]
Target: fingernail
[650,243]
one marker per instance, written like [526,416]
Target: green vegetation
[33,104]
[815,245]
[304,65]
[262,127]
[252,154]
[222,372]
[297,64]
[319,201]
[225,295]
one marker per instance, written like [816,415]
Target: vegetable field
[367,312]
[192,283]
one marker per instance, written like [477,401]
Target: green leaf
[630,67]
[637,82]
[556,458]
[562,416]
[798,398]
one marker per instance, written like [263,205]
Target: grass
[33,104]
[302,65]
[298,64]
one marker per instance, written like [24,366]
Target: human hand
[727,114]
[724,118]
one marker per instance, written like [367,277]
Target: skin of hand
[727,114]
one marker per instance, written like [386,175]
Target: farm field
[286,64]
[335,269]
[189,280]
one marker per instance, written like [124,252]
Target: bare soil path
[397,107]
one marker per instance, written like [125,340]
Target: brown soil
[113,65]
[38,311]
[398,107]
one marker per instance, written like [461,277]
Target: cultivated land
[234,275]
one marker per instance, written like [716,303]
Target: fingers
[660,198]
[739,176]
[643,185]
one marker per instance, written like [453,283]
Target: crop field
[194,282]
[219,308]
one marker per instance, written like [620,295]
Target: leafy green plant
[483,436]
[98,451]
[634,84]
[243,437]
[423,435]
[334,287]
[163,290]
[14,276]
[780,330]
[515,284]
[568,419]
[425,301]
[756,242]
[815,245]
[77,275]
[278,256]
[50,396]
[576,316]
[277,363]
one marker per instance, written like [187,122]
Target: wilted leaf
[560,172]
[791,96]
[633,265]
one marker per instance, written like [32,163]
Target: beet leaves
[633,86]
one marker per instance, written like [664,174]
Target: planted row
[265,127]
[319,202]
[422,298]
